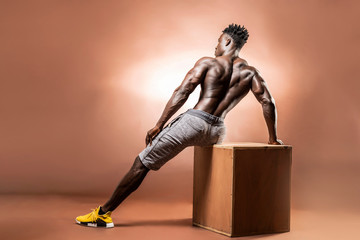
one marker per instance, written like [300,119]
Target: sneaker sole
[108,225]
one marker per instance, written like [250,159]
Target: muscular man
[244,78]
[203,125]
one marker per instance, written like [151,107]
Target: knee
[139,167]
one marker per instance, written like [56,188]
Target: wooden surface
[262,191]
[249,145]
[242,189]
[213,189]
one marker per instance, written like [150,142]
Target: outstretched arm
[193,78]
[262,94]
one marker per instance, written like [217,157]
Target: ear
[228,41]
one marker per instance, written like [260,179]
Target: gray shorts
[192,128]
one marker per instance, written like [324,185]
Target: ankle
[102,211]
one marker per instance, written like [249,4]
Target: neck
[231,53]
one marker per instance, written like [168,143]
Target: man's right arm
[192,79]
[262,94]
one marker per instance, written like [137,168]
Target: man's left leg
[130,182]
[101,216]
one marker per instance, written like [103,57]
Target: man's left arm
[193,78]
[262,94]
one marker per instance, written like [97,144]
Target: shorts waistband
[211,119]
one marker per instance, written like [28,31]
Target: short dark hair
[239,34]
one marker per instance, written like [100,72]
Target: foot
[93,219]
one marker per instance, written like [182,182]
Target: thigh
[178,135]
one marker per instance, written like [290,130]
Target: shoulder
[239,63]
[205,61]
[243,66]
[250,70]
[203,64]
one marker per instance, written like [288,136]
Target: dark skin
[213,74]
[224,81]
[245,78]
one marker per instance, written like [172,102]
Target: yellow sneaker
[93,219]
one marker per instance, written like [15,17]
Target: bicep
[260,89]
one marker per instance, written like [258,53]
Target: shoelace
[93,215]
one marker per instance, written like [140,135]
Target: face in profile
[223,43]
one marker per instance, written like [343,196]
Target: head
[233,39]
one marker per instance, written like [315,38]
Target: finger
[147,139]
[150,140]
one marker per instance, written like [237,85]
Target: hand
[276,142]
[151,134]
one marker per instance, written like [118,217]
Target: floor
[52,217]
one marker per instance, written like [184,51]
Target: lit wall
[82,82]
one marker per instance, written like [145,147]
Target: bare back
[224,81]
[215,84]
[244,78]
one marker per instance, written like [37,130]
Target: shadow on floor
[163,222]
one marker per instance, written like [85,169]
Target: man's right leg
[130,182]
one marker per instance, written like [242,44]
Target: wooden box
[242,189]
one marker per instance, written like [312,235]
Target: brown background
[82,82]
